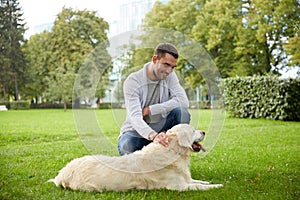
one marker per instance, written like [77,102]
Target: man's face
[163,66]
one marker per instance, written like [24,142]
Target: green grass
[254,159]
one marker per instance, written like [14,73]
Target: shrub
[109,105]
[19,105]
[6,103]
[263,97]
[49,105]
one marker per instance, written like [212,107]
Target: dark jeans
[131,141]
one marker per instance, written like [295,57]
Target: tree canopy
[55,57]
[12,63]
[244,38]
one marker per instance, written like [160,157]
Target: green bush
[5,103]
[49,106]
[19,105]
[263,97]
[109,105]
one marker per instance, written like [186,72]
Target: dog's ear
[185,135]
[185,138]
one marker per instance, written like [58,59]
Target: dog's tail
[53,181]
[60,182]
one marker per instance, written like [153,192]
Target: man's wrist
[152,136]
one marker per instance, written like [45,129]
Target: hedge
[16,105]
[49,105]
[262,97]
[110,105]
[5,103]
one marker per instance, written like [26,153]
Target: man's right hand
[146,111]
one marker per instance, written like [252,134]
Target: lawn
[253,158]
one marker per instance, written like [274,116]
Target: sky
[38,12]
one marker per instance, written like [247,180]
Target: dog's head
[187,136]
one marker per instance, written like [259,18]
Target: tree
[292,48]
[37,56]
[293,42]
[216,29]
[176,19]
[92,78]
[12,62]
[267,26]
[77,40]
[243,37]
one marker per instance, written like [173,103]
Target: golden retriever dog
[153,167]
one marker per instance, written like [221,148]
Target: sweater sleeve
[133,102]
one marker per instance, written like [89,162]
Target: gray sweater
[135,89]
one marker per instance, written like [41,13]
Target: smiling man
[155,102]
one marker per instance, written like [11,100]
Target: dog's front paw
[201,186]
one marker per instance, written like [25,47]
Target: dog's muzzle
[198,147]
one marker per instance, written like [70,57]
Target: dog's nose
[203,132]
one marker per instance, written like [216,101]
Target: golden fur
[153,167]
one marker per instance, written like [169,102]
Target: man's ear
[154,59]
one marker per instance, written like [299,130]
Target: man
[154,100]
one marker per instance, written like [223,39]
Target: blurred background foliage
[242,37]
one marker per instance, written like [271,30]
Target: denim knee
[177,116]
[123,146]
[181,115]
[130,142]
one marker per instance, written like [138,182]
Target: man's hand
[163,139]
[146,111]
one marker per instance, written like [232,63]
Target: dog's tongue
[198,147]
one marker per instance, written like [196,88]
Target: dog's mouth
[197,147]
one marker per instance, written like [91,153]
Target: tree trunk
[16,88]
[4,92]
[65,105]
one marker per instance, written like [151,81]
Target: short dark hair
[164,48]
